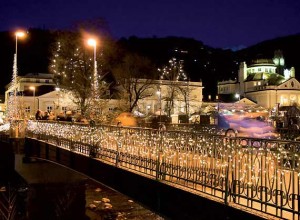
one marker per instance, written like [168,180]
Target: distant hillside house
[265,81]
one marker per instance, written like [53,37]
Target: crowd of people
[62,116]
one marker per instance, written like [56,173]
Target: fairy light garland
[205,154]
[174,71]
[13,105]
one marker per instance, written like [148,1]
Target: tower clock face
[276,61]
[281,62]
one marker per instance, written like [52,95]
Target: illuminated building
[29,88]
[266,82]
[38,92]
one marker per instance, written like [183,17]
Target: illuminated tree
[72,67]
[72,64]
[15,108]
[173,73]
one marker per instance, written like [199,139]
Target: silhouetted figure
[45,116]
[38,115]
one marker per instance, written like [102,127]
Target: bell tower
[279,61]
[242,77]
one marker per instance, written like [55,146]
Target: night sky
[217,23]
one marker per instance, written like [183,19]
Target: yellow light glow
[92,42]
[20,34]
[32,88]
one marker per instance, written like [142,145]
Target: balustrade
[261,174]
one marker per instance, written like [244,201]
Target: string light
[174,71]
[196,160]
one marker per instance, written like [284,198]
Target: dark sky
[218,23]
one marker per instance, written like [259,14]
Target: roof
[262,62]
[271,78]
[38,75]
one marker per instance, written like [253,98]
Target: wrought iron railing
[258,174]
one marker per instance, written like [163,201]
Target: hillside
[201,62]
[289,45]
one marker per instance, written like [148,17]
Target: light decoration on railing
[253,163]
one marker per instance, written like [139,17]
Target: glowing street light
[238,96]
[93,43]
[19,34]
[33,90]
[12,105]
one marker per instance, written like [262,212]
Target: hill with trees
[201,62]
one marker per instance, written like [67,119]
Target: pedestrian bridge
[257,176]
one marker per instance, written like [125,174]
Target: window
[259,83]
[27,109]
[259,69]
[49,108]
[64,109]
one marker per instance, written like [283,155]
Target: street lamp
[93,43]
[238,96]
[160,107]
[33,90]
[19,34]
[58,109]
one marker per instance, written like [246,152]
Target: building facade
[38,92]
[266,82]
[29,88]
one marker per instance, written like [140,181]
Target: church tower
[279,62]
[242,77]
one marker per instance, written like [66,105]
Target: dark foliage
[201,62]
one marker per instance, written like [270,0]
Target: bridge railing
[258,174]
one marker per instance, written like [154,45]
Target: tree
[72,68]
[173,73]
[72,64]
[134,76]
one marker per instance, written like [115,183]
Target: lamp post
[19,34]
[33,91]
[238,96]
[58,108]
[12,105]
[160,107]
[93,43]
